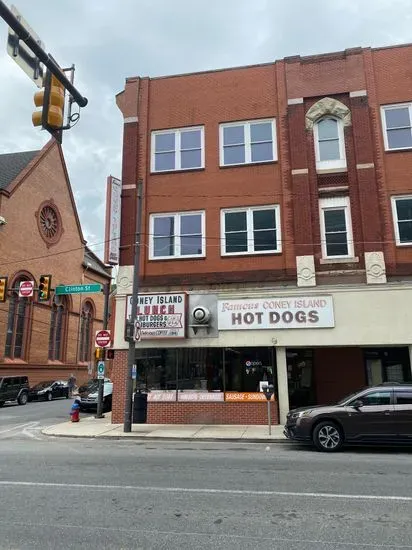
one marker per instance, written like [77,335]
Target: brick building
[41,235]
[276,233]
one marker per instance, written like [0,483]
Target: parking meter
[269,390]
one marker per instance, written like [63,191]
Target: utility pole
[131,358]
[100,394]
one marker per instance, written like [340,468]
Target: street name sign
[78,289]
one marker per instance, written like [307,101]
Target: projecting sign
[288,312]
[160,315]
[113,214]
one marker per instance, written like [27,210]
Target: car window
[377,398]
[403,397]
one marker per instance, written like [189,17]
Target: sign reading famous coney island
[276,313]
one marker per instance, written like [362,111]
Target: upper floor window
[254,230]
[336,228]
[402,216]
[181,149]
[247,142]
[178,235]
[397,127]
[329,145]
[17,323]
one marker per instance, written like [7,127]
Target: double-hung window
[177,235]
[397,126]
[247,142]
[180,149]
[402,216]
[254,230]
[336,228]
[329,145]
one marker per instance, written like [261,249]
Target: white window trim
[326,166]
[249,226]
[248,149]
[177,132]
[395,218]
[336,203]
[177,216]
[384,128]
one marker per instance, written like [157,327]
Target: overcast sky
[109,40]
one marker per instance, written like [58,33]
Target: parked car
[14,388]
[375,415]
[48,390]
[90,383]
[89,396]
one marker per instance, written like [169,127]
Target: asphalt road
[100,494]
[27,421]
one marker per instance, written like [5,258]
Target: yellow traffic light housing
[3,289]
[98,353]
[51,101]
[44,288]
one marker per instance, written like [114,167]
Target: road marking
[197,534]
[240,492]
[16,427]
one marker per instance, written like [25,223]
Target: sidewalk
[102,428]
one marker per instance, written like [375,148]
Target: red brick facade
[24,251]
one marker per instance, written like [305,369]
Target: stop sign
[26,289]
[103,338]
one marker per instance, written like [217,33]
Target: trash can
[140,408]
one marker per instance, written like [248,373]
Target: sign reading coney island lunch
[276,313]
[160,315]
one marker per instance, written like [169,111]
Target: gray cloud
[109,41]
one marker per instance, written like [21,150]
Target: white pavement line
[397,498]
[180,534]
[16,427]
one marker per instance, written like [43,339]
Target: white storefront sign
[276,313]
[160,315]
[113,220]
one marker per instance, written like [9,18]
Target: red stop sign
[103,339]
[26,289]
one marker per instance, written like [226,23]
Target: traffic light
[98,353]
[51,101]
[3,289]
[44,288]
[110,354]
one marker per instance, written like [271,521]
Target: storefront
[314,348]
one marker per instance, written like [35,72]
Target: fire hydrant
[75,410]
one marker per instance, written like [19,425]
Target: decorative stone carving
[125,279]
[327,106]
[305,266]
[375,268]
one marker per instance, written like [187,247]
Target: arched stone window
[18,322]
[58,328]
[86,330]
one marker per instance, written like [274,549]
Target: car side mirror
[358,404]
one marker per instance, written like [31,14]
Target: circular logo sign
[248,363]
[26,289]
[103,338]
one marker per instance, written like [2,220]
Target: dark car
[89,395]
[14,388]
[376,415]
[48,390]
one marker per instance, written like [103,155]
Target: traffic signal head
[44,288]
[51,101]
[3,289]
[98,353]
[110,354]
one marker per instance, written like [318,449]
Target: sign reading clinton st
[276,313]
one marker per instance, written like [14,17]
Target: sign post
[269,391]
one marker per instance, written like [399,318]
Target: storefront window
[246,368]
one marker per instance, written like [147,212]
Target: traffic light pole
[41,55]
[131,358]
[100,394]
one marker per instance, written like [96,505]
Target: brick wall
[118,377]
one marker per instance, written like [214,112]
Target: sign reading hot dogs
[160,315]
[276,313]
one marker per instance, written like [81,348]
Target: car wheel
[1,403]
[327,437]
[23,398]
[49,396]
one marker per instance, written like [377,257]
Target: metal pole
[131,357]
[100,394]
[269,419]
[45,58]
